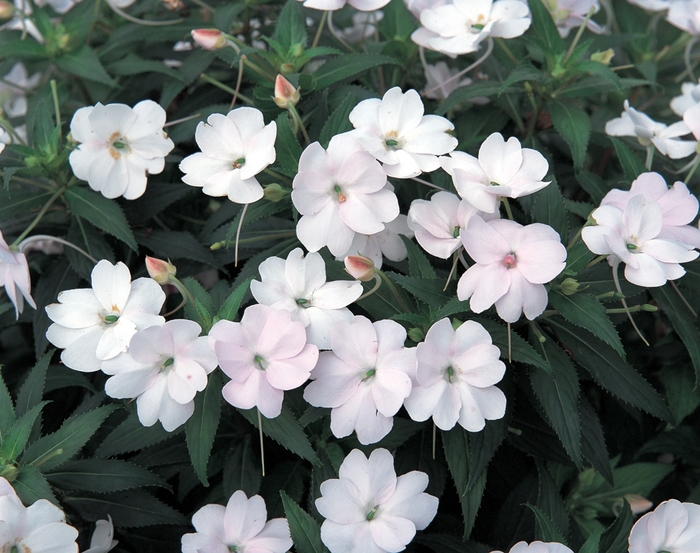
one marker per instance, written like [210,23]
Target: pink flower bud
[209,39]
[6,10]
[638,504]
[285,93]
[160,270]
[360,267]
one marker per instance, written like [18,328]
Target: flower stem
[393,289]
[426,183]
[238,234]
[477,63]
[377,284]
[225,88]
[239,80]
[650,157]
[262,445]
[685,301]
[579,33]
[57,108]
[616,279]
[24,243]
[39,216]
[507,206]
[336,34]
[320,29]
[295,115]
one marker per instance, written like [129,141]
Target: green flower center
[369,374]
[110,319]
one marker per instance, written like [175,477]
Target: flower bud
[7,9]
[649,308]
[360,267]
[160,270]
[569,286]
[603,57]
[209,39]
[285,93]
[274,192]
[416,334]
[638,504]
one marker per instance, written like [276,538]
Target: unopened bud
[288,68]
[285,93]
[456,323]
[7,9]
[209,39]
[569,286]
[416,334]
[638,504]
[648,308]
[360,267]
[603,57]
[160,270]
[274,192]
[296,50]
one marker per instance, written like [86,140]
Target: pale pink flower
[235,148]
[673,526]
[240,526]
[339,192]
[456,376]
[298,285]
[502,169]
[332,5]
[395,131]
[13,90]
[119,146]
[369,510]
[363,26]
[632,236]
[652,5]
[690,96]
[513,262]
[39,528]
[538,547]
[360,267]
[439,221]
[265,354]
[460,26]
[570,14]
[663,137]
[164,369]
[685,14]
[102,540]
[209,39]
[439,83]
[678,206]
[14,276]
[691,117]
[364,379]
[95,324]
[386,243]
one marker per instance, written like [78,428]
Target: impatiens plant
[336,276]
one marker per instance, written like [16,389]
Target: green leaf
[593,184]
[549,500]
[349,65]
[103,476]
[520,350]
[285,430]
[601,70]
[168,244]
[241,471]
[592,543]
[574,125]
[22,49]
[131,64]
[631,164]
[305,531]
[85,64]
[543,27]
[524,71]
[427,290]
[577,258]
[546,529]
[55,449]
[31,486]
[7,410]
[465,93]
[610,371]
[105,214]
[587,312]
[130,436]
[230,308]
[17,202]
[549,209]
[200,428]
[398,23]
[682,395]
[683,322]
[128,509]
[582,209]
[418,263]
[15,440]
[290,29]
[287,146]
[558,394]
[614,539]
[193,66]
[339,121]
[593,441]
[202,310]
[482,447]
[33,387]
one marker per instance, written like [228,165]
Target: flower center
[167,363]
[260,362]
[110,319]
[449,374]
[238,163]
[118,145]
[303,302]
[339,191]
[369,374]
[455,232]
[373,512]
[509,261]
[632,247]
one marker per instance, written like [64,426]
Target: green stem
[650,157]
[394,291]
[39,216]
[507,206]
[377,284]
[579,33]
[57,108]
[225,88]
[297,118]
[320,29]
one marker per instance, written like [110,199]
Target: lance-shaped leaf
[305,531]
[103,476]
[200,428]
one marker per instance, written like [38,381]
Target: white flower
[235,148]
[240,526]
[339,192]
[386,243]
[164,369]
[298,285]
[460,27]
[365,379]
[538,547]
[569,14]
[369,510]
[363,26]
[332,5]
[395,131]
[22,22]
[502,169]
[59,6]
[119,146]
[102,538]
[690,96]
[95,324]
[652,5]
[673,526]
[14,275]
[39,528]
[13,90]
[685,14]
[456,376]
[439,83]
[648,132]
[632,236]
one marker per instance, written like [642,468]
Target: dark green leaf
[418,264]
[241,470]
[543,27]
[305,531]
[339,121]
[549,500]
[31,486]
[194,65]
[427,290]
[601,70]
[482,446]
[524,71]
[131,64]
[465,93]
[85,64]
[398,23]
[55,449]
[176,245]
[558,395]
[287,146]
[14,441]
[577,258]
[587,312]
[103,476]
[7,410]
[200,428]
[105,214]
[592,184]
[546,529]
[229,309]
[682,395]
[582,209]
[593,441]
[285,430]
[22,49]
[614,539]
[592,543]
[610,371]
[683,322]
[202,310]
[33,387]
[130,436]
[290,29]
[520,350]
[574,125]
[549,209]
[631,164]
[349,65]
